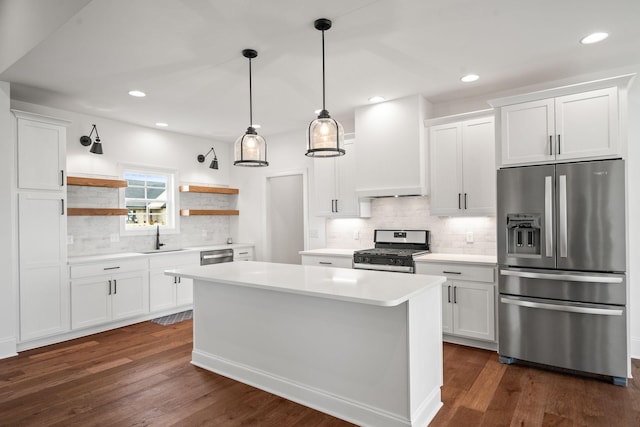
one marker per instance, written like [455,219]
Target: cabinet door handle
[179,279]
[459,203]
[551,145]
[449,294]
[558,143]
[451,272]
[61,178]
[61,206]
[465,200]
[455,297]
[109,287]
[175,280]
[115,288]
[336,205]
[111,268]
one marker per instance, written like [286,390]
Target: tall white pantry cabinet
[41,191]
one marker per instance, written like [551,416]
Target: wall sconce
[96,148]
[214,162]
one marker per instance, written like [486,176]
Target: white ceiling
[186,55]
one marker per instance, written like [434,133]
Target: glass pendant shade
[251,149]
[325,137]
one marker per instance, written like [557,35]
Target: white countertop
[151,252]
[361,286]
[458,258]
[346,253]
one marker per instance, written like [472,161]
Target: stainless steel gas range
[394,250]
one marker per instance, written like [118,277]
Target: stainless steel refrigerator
[562,263]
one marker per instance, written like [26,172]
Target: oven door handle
[561,276]
[566,308]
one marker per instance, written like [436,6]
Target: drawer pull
[111,268]
[325,263]
[243,253]
[451,272]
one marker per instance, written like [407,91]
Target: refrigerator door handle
[562,276]
[562,215]
[566,308]
[548,215]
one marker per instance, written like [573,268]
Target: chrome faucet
[158,244]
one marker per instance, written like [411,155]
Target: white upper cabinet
[570,123]
[42,143]
[462,166]
[391,148]
[335,184]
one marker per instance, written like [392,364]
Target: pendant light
[325,136]
[250,148]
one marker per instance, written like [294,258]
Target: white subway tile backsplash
[448,234]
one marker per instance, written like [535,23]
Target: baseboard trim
[8,347]
[78,333]
[486,345]
[337,406]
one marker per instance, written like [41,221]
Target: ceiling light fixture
[325,135]
[250,148]
[594,38]
[376,99]
[469,78]
[137,93]
[96,148]
[162,124]
[214,162]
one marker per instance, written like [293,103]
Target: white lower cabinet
[327,261]
[243,254]
[468,299]
[108,291]
[167,292]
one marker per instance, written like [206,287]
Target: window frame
[172,218]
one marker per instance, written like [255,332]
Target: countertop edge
[434,281]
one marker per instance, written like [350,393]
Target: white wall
[286,154]
[8,246]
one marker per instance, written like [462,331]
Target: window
[149,200]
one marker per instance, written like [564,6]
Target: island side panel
[343,358]
[425,355]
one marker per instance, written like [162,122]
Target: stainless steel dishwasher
[216,256]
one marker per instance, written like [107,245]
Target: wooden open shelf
[193,212]
[205,189]
[96,212]
[96,182]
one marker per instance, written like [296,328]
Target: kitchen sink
[162,251]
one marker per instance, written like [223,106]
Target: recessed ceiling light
[137,93]
[375,99]
[162,124]
[470,78]
[594,38]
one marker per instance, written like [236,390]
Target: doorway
[286,215]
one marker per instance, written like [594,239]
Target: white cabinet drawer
[327,261]
[457,271]
[243,254]
[108,267]
[171,260]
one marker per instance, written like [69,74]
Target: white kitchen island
[364,346]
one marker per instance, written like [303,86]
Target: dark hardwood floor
[141,376]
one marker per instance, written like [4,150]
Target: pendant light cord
[323,82]
[250,98]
